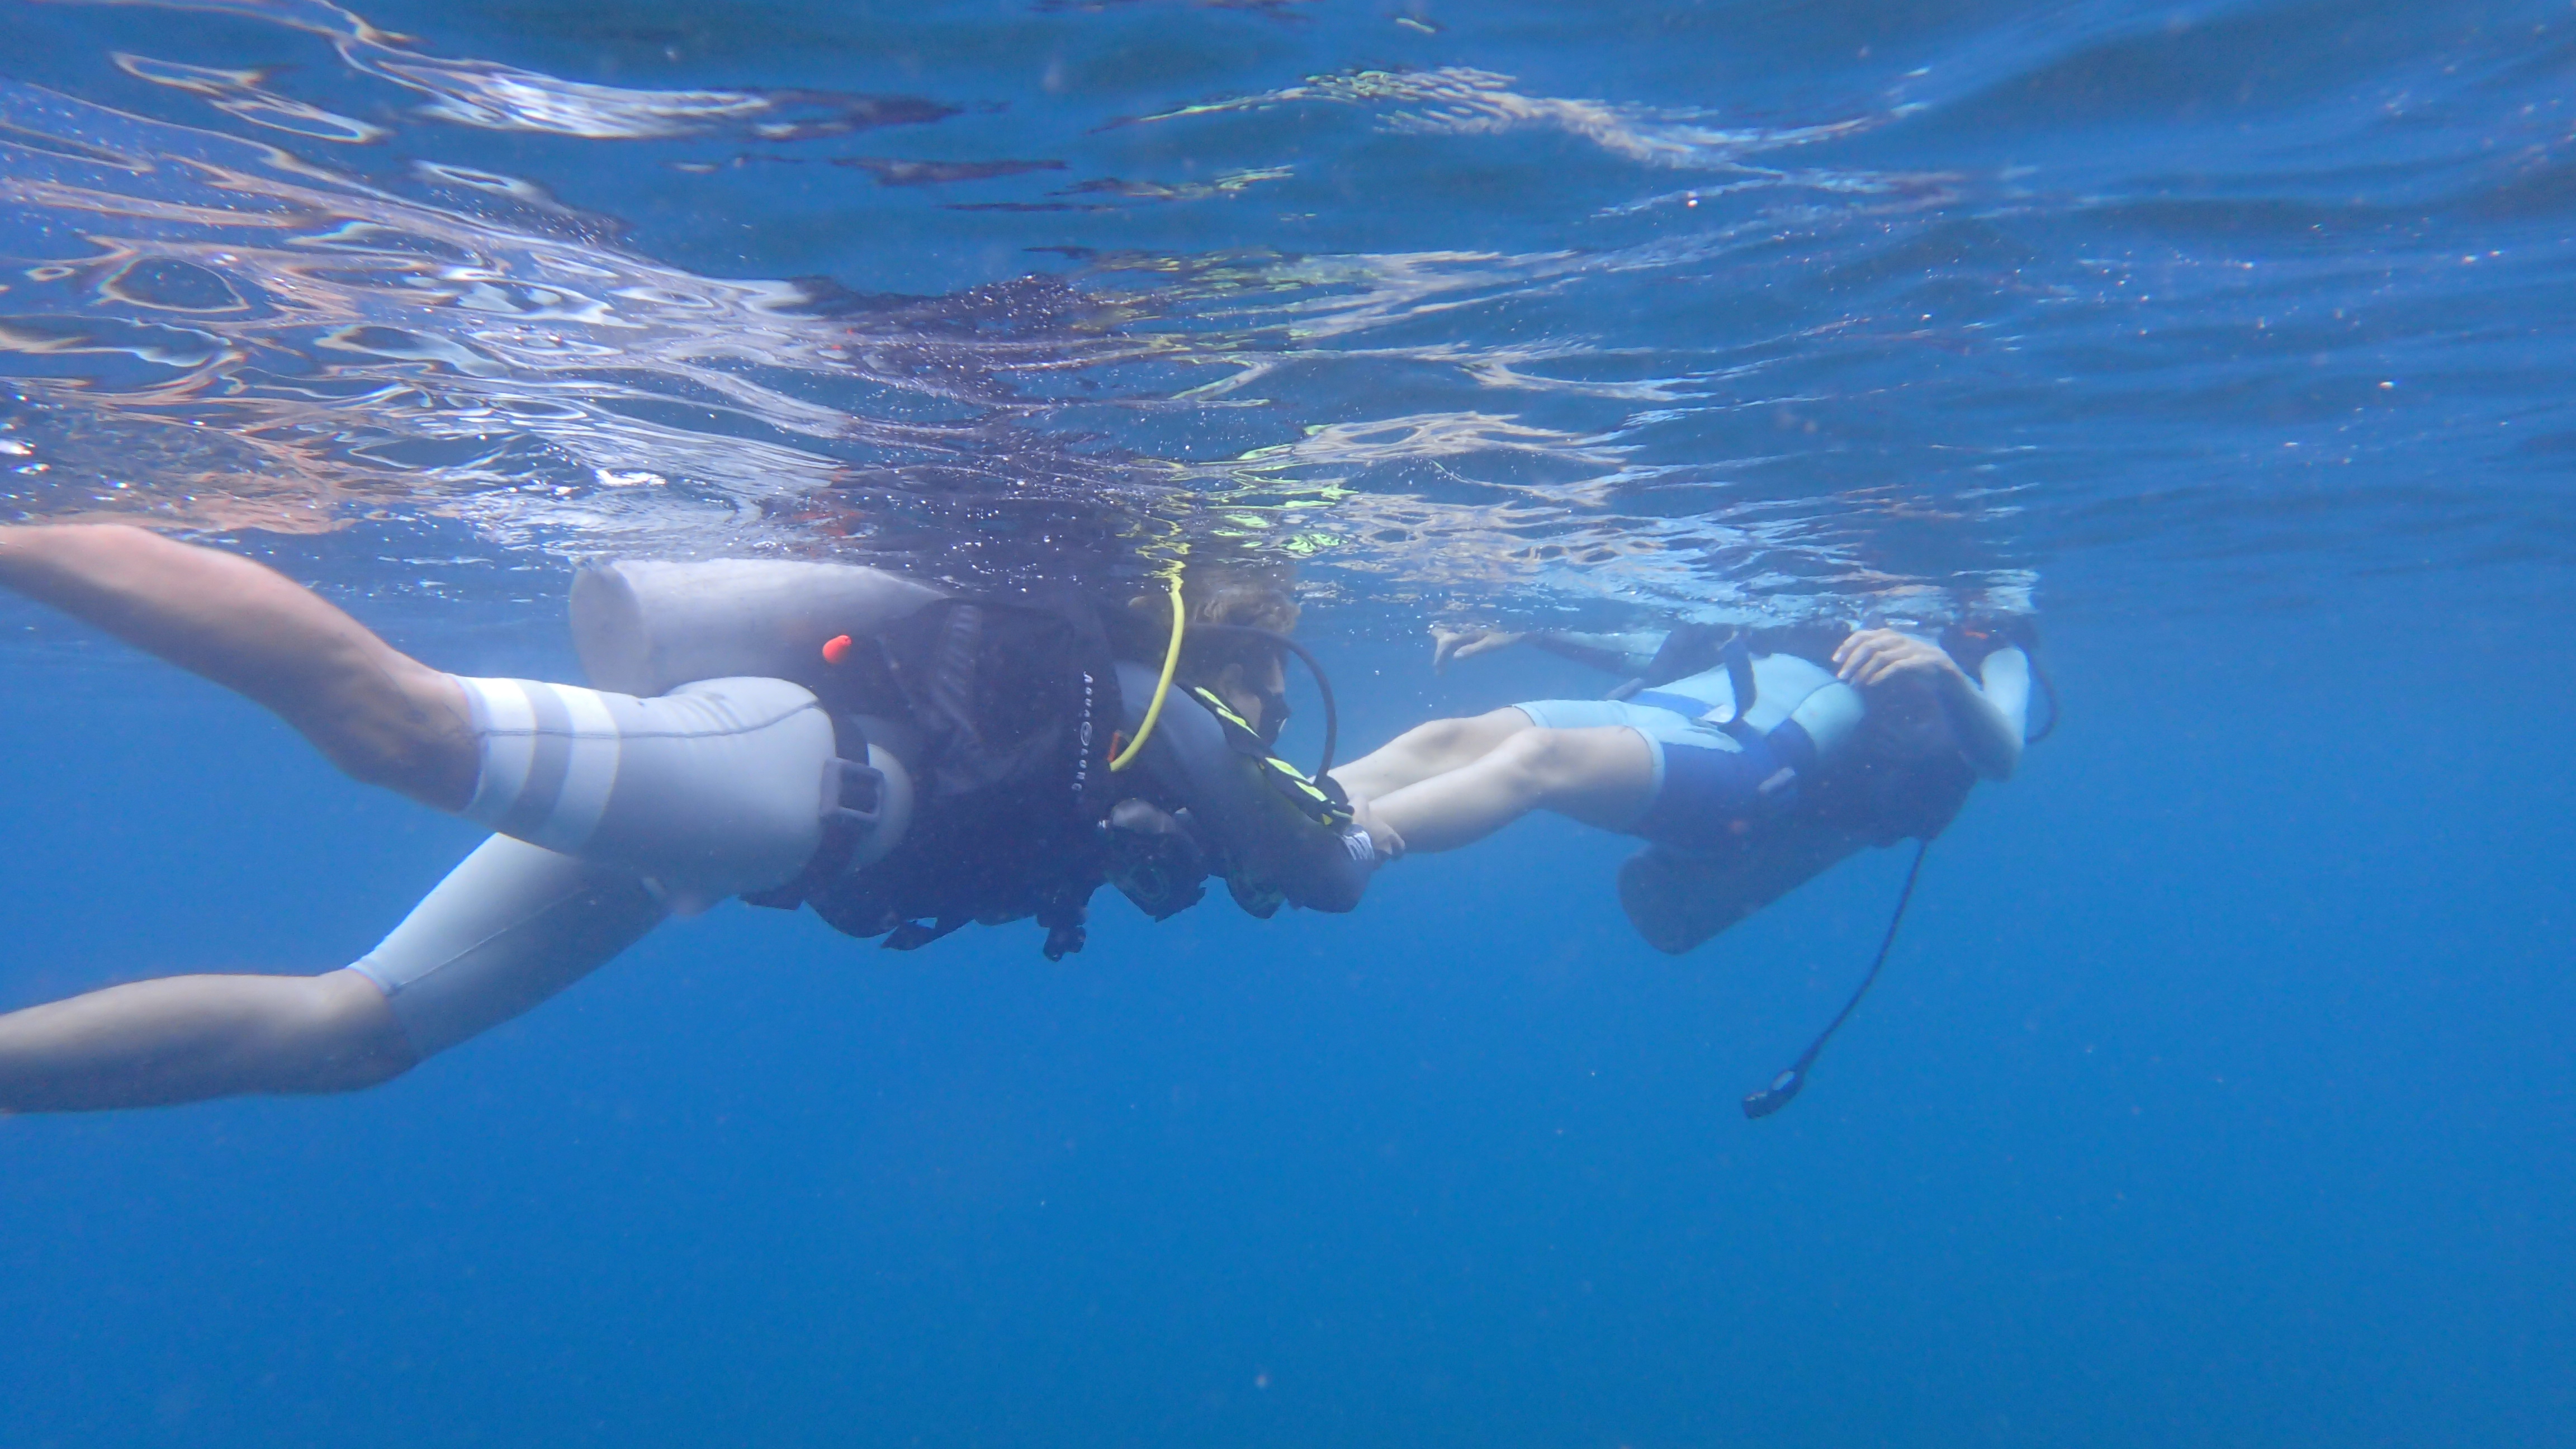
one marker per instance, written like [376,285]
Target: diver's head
[1245,672]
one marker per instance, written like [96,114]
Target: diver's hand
[1384,840]
[1448,644]
[1875,656]
[1142,818]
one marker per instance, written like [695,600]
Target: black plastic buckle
[856,820]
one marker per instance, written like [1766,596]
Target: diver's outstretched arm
[378,714]
[188,1038]
[1624,654]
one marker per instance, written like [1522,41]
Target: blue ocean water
[2218,1091]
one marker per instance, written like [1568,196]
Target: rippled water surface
[1725,307]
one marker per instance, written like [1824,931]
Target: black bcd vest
[1009,708]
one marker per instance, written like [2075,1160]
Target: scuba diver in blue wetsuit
[904,760]
[1750,761]
[1841,739]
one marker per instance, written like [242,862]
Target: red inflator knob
[836,648]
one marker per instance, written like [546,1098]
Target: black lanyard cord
[1784,1087]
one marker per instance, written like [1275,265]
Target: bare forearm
[1991,741]
[382,716]
[1610,653]
[1988,734]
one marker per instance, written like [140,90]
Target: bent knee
[415,735]
[1544,757]
[1438,734]
[343,1036]
[1475,734]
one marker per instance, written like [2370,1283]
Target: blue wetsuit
[1718,774]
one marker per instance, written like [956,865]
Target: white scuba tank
[644,628]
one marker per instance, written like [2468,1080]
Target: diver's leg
[512,925]
[187,1038]
[1604,776]
[1427,750]
[507,929]
[717,788]
[380,715]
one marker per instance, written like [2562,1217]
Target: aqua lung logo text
[1082,760]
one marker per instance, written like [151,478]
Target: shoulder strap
[1687,650]
[1737,656]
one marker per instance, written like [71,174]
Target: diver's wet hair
[1255,595]
[1239,665]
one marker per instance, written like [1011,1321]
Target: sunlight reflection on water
[1681,374]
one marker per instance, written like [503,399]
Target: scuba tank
[644,628]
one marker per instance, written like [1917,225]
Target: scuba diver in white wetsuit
[903,760]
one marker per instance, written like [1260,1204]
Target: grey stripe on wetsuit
[533,805]
[715,788]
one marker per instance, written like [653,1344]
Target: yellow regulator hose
[1163,686]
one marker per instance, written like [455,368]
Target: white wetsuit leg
[716,788]
[614,812]
[511,926]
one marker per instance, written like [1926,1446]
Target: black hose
[1323,685]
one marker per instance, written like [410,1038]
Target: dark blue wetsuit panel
[1709,792]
